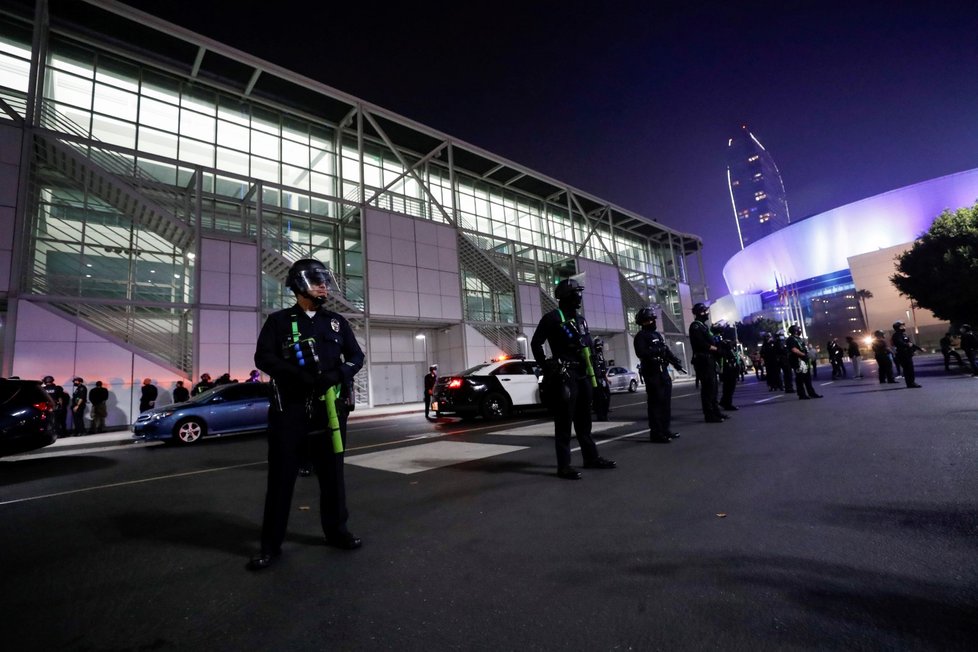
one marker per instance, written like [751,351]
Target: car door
[519,381]
[242,406]
[614,378]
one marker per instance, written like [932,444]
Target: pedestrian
[969,342]
[772,369]
[835,359]
[430,379]
[62,403]
[904,353]
[79,399]
[147,395]
[784,361]
[180,393]
[854,355]
[800,363]
[602,393]
[204,385]
[254,376]
[704,362]
[224,379]
[312,356]
[568,377]
[651,349]
[99,397]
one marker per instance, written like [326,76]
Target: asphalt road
[848,523]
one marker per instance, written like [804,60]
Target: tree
[862,295]
[749,333]
[940,271]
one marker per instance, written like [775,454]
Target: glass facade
[167,157]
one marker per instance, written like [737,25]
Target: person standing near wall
[99,396]
[180,393]
[79,399]
[147,395]
[430,379]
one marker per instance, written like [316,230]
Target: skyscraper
[756,190]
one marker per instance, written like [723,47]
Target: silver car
[621,379]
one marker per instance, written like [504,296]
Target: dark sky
[634,101]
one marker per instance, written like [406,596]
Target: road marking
[608,441]
[769,398]
[425,457]
[129,483]
[546,429]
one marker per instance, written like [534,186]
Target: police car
[491,390]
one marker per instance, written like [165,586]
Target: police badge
[335,324]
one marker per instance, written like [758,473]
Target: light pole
[521,342]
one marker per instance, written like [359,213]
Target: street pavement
[843,523]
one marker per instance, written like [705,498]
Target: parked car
[621,379]
[26,416]
[224,410]
[491,390]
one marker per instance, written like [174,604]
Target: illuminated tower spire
[756,190]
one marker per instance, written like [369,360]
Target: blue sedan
[223,410]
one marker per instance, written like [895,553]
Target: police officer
[772,370]
[800,363]
[969,342]
[79,399]
[947,350]
[569,380]
[602,393]
[884,362]
[309,352]
[724,336]
[704,361]
[656,357]
[904,353]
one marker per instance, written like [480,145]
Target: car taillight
[454,383]
[42,406]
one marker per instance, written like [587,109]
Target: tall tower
[756,190]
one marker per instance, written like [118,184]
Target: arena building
[156,185]
[813,271]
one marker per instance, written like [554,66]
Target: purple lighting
[823,243]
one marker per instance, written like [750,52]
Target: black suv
[26,416]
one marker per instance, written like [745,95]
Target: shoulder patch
[335,324]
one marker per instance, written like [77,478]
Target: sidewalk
[123,436]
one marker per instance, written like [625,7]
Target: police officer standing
[602,393]
[569,378]
[800,363]
[651,349]
[904,353]
[969,342]
[311,355]
[704,352]
[725,340]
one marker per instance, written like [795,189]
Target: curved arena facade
[825,258]
[156,185]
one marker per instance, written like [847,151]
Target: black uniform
[705,364]
[602,393]
[729,368]
[801,366]
[772,368]
[181,394]
[947,350]
[784,360]
[147,398]
[904,350]
[302,412]
[969,342]
[567,389]
[881,352]
[79,398]
[656,357]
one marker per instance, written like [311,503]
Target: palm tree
[862,295]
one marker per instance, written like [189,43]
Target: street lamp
[424,342]
[521,341]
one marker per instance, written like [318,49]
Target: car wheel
[189,431]
[632,386]
[495,406]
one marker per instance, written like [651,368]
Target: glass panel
[232,135]
[115,102]
[117,73]
[197,125]
[69,89]
[15,66]
[71,58]
[265,145]
[230,160]
[160,87]
[198,100]
[264,169]
[158,142]
[160,115]
[115,132]
[193,151]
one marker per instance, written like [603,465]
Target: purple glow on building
[821,244]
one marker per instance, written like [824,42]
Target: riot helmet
[701,310]
[898,326]
[569,292]
[307,273]
[794,329]
[879,333]
[644,315]
[965,328]
[48,380]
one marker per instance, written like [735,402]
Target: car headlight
[162,415]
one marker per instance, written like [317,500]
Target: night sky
[634,101]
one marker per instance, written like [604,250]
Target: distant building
[756,190]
